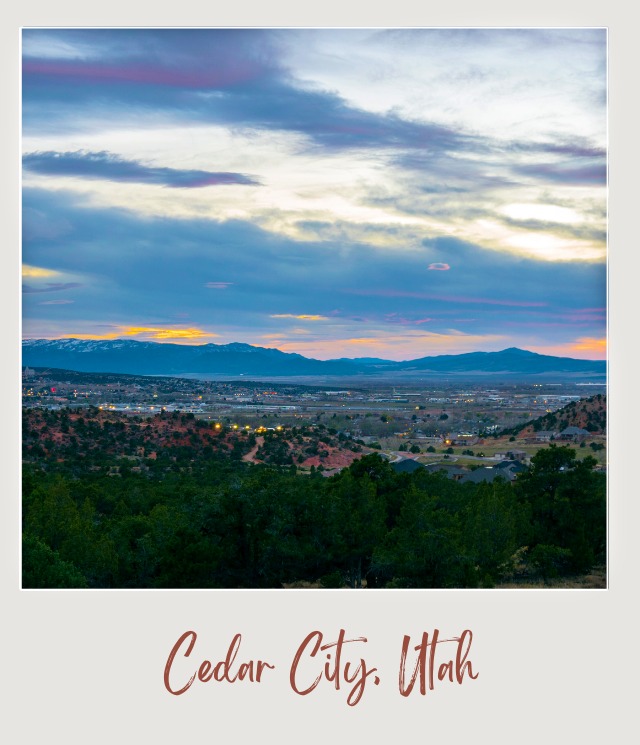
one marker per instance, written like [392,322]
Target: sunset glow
[333,192]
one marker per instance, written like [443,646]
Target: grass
[491,447]
[596,579]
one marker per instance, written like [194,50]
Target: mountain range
[153,358]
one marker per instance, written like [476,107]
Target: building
[407,465]
[462,438]
[488,474]
[544,436]
[451,470]
[574,434]
[520,455]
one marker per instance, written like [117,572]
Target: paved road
[395,456]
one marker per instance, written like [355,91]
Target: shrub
[549,561]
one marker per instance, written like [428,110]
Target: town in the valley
[457,427]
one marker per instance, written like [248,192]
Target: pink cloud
[402,320]
[211,77]
[439,266]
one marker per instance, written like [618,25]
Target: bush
[550,561]
[332,581]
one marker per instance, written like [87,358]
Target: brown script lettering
[333,671]
[425,668]
[220,672]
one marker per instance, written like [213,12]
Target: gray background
[87,666]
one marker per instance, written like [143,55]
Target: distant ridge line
[167,358]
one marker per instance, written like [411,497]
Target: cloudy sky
[337,193]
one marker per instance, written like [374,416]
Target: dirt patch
[335,459]
[250,457]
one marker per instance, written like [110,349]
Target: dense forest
[200,517]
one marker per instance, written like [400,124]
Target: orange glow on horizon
[149,333]
[397,347]
[159,334]
[588,344]
[405,346]
[585,348]
[37,272]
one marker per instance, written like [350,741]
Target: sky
[390,193]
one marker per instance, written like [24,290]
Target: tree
[359,522]
[43,568]
[492,523]
[52,515]
[567,500]
[423,549]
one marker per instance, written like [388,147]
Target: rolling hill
[589,414]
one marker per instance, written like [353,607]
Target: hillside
[169,501]
[589,414]
[96,437]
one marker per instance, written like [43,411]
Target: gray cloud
[110,167]
[588,174]
[237,79]
[582,232]
[51,287]
[137,262]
